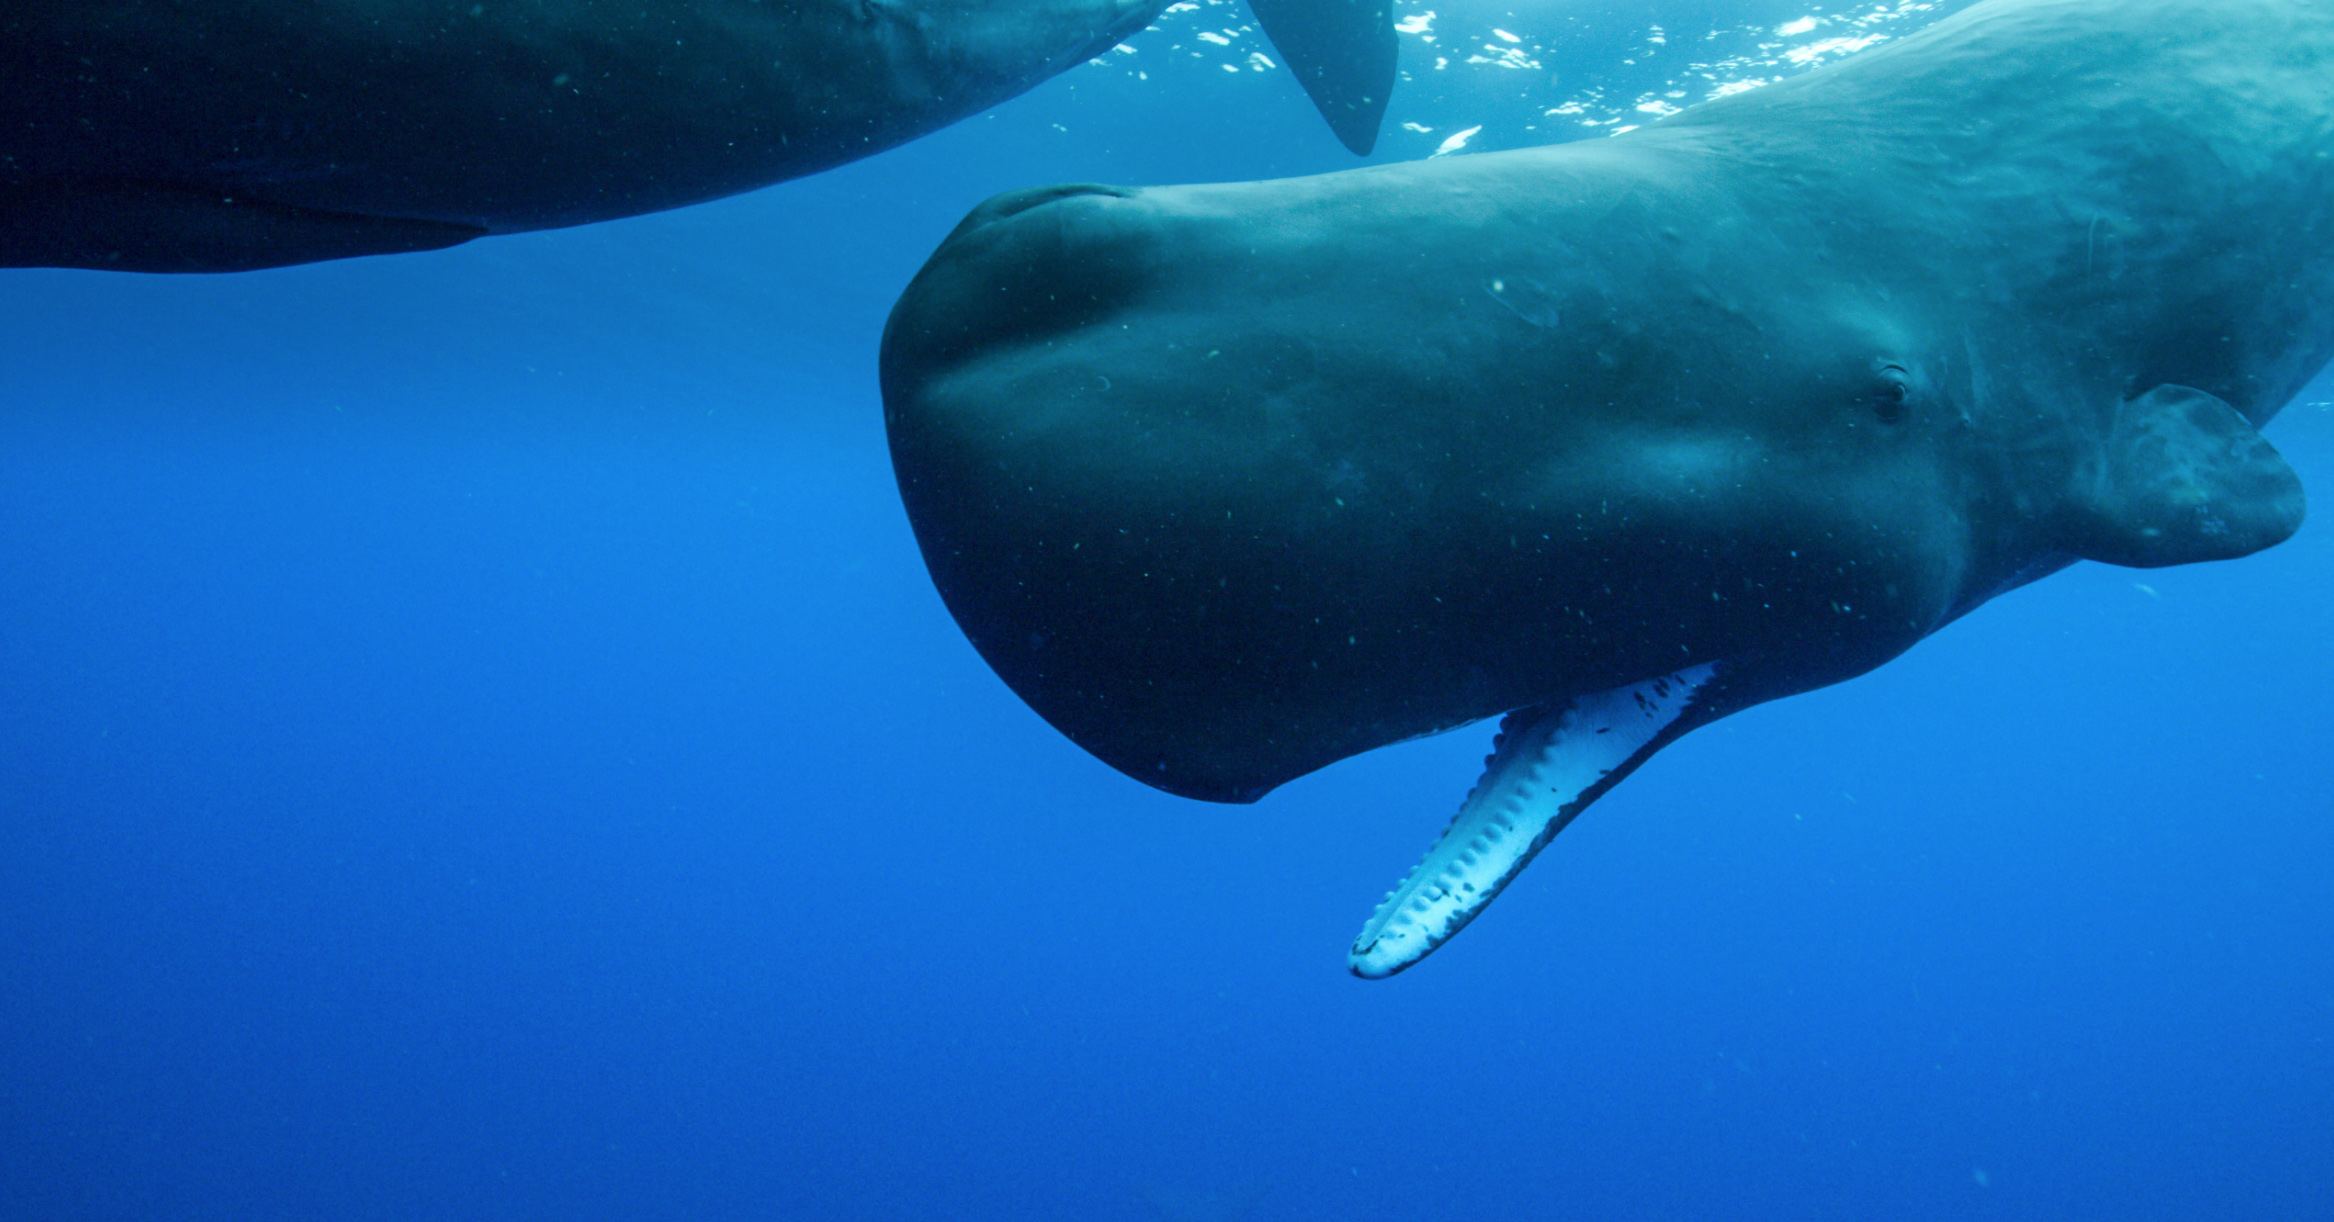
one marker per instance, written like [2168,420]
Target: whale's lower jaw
[138,226]
[1548,763]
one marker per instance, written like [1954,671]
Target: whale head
[1233,481]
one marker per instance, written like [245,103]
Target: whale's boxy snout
[1022,266]
[1013,203]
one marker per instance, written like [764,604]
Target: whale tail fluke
[1343,54]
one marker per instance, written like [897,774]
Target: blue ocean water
[477,742]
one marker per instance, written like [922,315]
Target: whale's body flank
[197,135]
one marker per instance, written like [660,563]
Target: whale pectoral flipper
[1548,763]
[2185,478]
[1343,53]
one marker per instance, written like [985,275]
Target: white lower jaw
[1548,763]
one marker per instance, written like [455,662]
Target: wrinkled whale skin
[214,135]
[1233,481]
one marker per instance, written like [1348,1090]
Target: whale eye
[1892,392]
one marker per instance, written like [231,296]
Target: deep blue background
[476,741]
